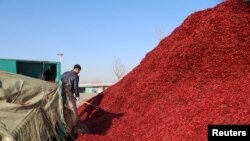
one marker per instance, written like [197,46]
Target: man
[70,79]
[70,94]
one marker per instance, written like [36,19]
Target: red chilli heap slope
[198,75]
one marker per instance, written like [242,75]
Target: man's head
[77,68]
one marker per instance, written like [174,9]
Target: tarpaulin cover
[30,108]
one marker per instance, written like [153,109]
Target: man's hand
[77,98]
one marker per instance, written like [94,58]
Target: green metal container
[46,70]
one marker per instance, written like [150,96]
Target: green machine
[45,70]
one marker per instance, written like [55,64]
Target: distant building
[94,88]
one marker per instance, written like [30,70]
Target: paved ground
[85,97]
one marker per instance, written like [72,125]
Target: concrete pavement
[85,97]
